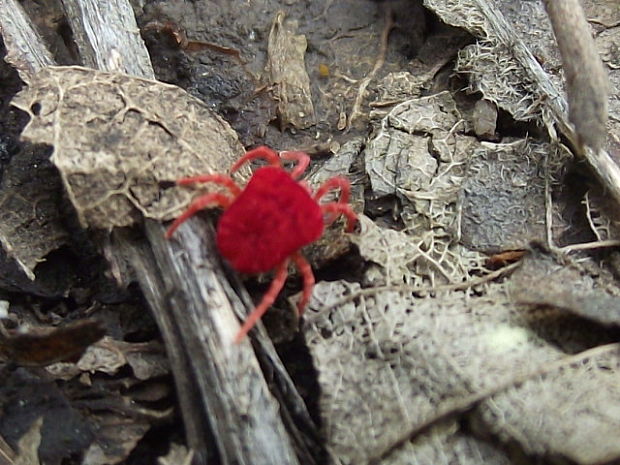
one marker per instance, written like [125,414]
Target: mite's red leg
[306,272]
[268,299]
[334,183]
[302,159]
[221,179]
[214,198]
[259,152]
[341,209]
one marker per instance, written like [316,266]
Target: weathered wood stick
[586,80]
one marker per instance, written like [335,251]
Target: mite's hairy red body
[265,224]
[272,218]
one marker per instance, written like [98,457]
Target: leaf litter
[434,343]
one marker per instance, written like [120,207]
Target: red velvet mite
[265,225]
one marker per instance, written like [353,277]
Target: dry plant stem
[383,45]
[586,79]
[548,208]
[7,455]
[468,404]
[590,245]
[222,392]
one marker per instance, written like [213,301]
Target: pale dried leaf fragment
[420,154]
[108,355]
[28,445]
[398,156]
[117,437]
[446,444]
[117,139]
[392,254]
[177,455]
[287,70]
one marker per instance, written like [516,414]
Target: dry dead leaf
[117,436]
[118,139]
[177,455]
[146,359]
[545,282]
[287,70]
[489,64]
[572,412]
[28,445]
[395,257]
[398,156]
[30,223]
[503,196]
[420,153]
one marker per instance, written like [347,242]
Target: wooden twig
[586,79]
[383,45]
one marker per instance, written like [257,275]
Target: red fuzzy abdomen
[272,218]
